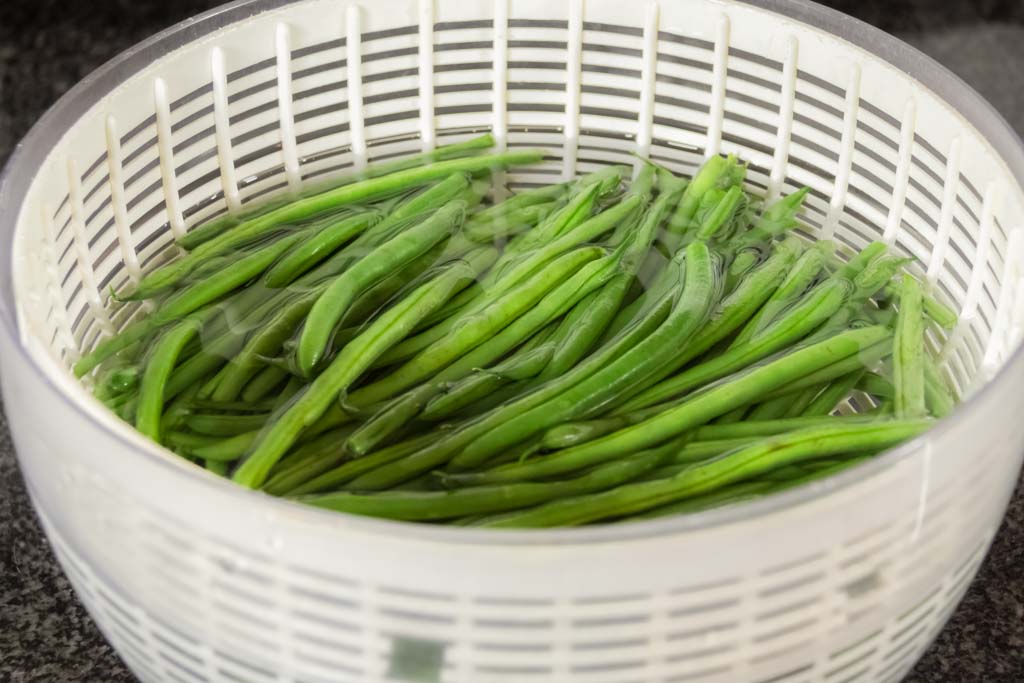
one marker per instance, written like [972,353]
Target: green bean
[736,307]
[312,459]
[265,381]
[716,172]
[194,297]
[796,283]
[702,478]
[587,322]
[118,381]
[813,310]
[729,495]
[734,415]
[938,397]
[440,451]
[744,261]
[159,364]
[941,314]
[332,304]
[475,328]
[525,363]
[513,223]
[188,442]
[348,471]
[669,276]
[697,410]
[833,394]
[226,450]
[584,325]
[523,200]
[177,410]
[315,399]
[225,425]
[776,219]
[316,248]
[722,213]
[578,209]
[203,233]
[217,467]
[775,408]
[876,385]
[751,429]
[607,384]
[435,505]
[554,304]
[499,282]
[389,420]
[865,359]
[304,208]
[908,353]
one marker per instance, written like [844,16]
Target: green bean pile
[405,344]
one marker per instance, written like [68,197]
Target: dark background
[46,46]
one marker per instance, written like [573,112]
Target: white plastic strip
[979,268]
[80,238]
[846,145]
[354,46]
[285,115]
[780,160]
[499,126]
[648,77]
[165,147]
[118,202]
[949,191]
[1016,331]
[426,70]
[900,183]
[222,131]
[500,74]
[573,68]
[1000,341]
[60,311]
[719,75]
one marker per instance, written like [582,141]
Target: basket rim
[29,154]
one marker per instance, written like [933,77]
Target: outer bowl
[194,579]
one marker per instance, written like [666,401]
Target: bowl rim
[26,157]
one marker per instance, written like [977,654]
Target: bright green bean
[697,410]
[316,248]
[702,478]
[435,505]
[304,208]
[159,363]
[315,399]
[600,389]
[332,304]
[908,353]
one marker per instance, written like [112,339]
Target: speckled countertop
[47,45]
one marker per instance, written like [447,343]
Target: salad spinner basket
[192,578]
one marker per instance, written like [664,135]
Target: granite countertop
[46,46]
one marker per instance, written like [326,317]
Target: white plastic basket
[194,579]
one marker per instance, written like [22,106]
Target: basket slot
[573,81]
[354,48]
[222,129]
[115,173]
[86,273]
[648,74]
[168,176]
[426,75]
[286,118]
[846,146]
[719,72]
